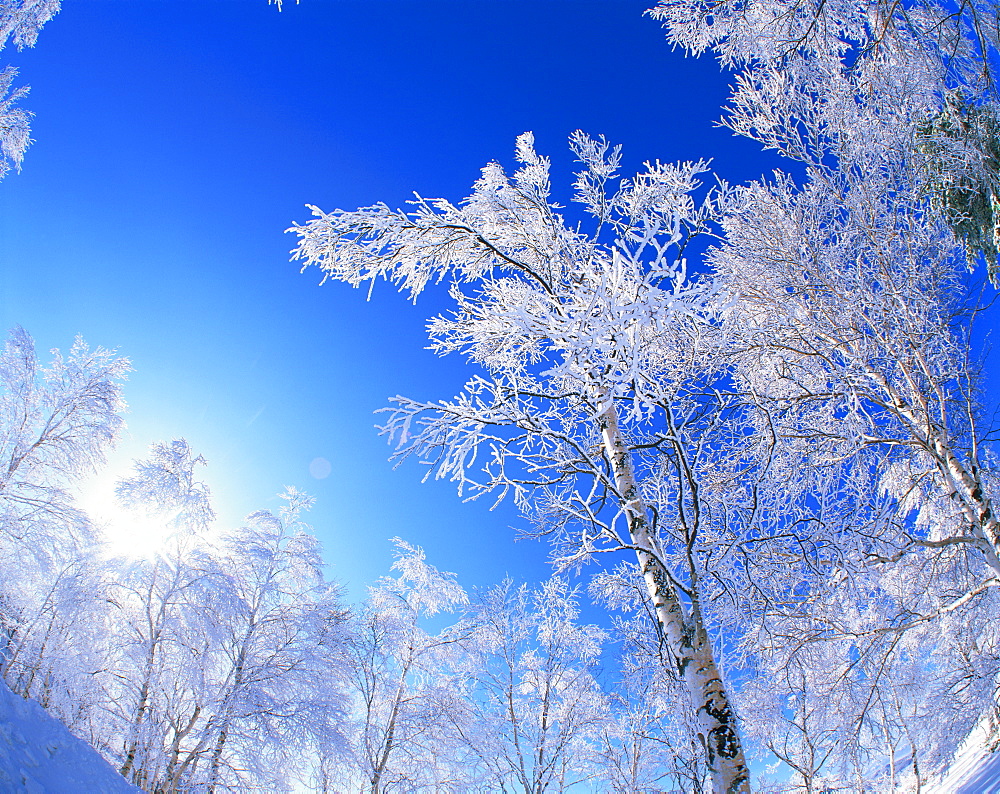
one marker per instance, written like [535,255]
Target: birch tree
[397,678]
[851,322]
[20,22]
[649,744]
[854,319]
[582,343]
[533,708]
[57,422]
[154,685]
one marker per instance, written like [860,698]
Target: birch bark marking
[957,482]
[975,505]
[141,709]
[688,641]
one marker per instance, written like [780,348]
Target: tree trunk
[156,630]
[685,635]
[390,732]
[216,765]
[227,715]
[967,489]
[174,768]
[140,713]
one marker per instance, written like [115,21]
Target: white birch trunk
[962,485]
[975,505]
[687,639]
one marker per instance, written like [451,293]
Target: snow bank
[38,755]
[975,770]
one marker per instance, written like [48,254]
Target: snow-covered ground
[975,770]
[38,755]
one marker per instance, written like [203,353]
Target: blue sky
[176,140]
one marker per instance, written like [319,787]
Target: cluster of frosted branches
[211,664]
[225,661]
[506,697]
[791,444]
[20,22]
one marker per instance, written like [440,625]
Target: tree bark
[685,634]
[966,488]
[234,690]
[390,733]
[140,713]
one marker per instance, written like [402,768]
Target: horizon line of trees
[224,660]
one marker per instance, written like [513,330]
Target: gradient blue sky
[176,140]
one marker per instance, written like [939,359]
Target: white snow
[975,770]
[38,755]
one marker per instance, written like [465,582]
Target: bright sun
[125,533]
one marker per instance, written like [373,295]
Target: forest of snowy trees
[749,420]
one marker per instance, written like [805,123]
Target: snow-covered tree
[20,22]
[938,61]
[225,662]
[56,424]
[279,637]
[532,708]
[852,319]
[959,44]
[592,349]
[156,675]
[55,650]
[850,328]
[649,743]
[399,678]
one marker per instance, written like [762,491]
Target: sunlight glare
[125,533]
